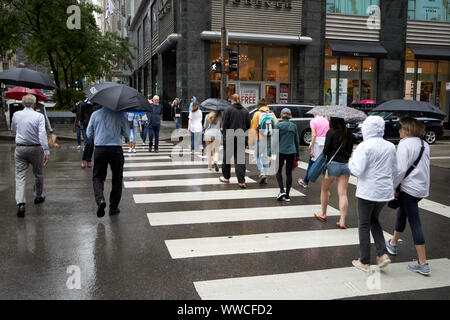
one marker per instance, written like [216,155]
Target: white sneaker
[134,150]
[78,147]
[130,150]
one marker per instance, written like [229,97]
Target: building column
[308,60]
[192,52]
[391,70]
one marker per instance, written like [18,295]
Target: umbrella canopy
[27,78]
[415,108]
[117,97]
[367,102]
[346,113]
[215,104]
[18,93]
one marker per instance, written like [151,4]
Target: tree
[40,27]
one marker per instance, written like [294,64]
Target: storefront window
[250,63]
[351,7]
[276,64]
[429,10]
[409,80]
[357,79]
[369,75]
[425,81]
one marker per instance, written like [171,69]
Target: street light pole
[223,83]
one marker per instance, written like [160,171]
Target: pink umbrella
[17,93]
[367,101]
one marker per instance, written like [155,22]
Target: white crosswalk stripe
[325,284]
[172,172]
[209,195]
[232,215]
[265,242]
[180,182]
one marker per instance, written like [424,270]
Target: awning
[357,48]
[430,52]
[259,38]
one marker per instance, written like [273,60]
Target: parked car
[434,128]
[299,117]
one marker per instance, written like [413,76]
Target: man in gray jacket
[31,148]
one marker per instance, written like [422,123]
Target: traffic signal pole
[223,80]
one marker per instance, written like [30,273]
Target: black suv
[299,117]
[434,128]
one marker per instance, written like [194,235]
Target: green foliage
[40,27]
[69,97]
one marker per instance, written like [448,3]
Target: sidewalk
[64,132]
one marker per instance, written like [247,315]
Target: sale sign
[249,95]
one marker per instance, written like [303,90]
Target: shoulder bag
[395,204]
[320,165]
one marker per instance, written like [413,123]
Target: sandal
[358,265]
[222,179]
[320,218]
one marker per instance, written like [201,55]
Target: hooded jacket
[374,163]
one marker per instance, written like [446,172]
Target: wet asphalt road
[124,257]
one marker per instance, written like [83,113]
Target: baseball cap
[286,111]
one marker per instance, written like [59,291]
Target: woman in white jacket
[413,188]
[374,163]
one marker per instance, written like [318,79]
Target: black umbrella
[27,78]
[412,107]
[215,104]
[117,97]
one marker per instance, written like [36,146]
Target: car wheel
[306,137]
[430,137]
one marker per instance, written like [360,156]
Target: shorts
[336,169]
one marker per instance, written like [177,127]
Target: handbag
[295,165]
[395,204]
[319,166]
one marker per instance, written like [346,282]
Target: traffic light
[233,61]
[216,67]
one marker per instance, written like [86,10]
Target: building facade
[308,51]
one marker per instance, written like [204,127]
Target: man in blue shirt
[106,128]
[154,119]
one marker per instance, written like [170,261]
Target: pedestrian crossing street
[144,171]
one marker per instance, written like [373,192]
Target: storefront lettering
[280,4]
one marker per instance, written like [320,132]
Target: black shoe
[21,210]
[101,209]
[113,211]
[216,167]
[39,200]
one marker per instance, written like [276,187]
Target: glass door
[271,92]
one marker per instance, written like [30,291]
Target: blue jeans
[133,134]
[196,140]
[409,208]
[262,152]
[80,132]
[144,130]
[177,124]
[310,163]
[153,130]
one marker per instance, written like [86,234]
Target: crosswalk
[145,174]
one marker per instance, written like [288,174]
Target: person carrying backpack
[262,128]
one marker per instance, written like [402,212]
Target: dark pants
[88,148]
[153,130]
[368,214]
[114,157]
[144,130]
[409,208]
[239,167]
[289,159]
[310,163]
